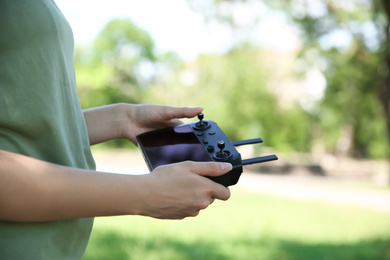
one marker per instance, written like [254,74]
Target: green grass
[248,226]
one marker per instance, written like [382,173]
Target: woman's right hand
[180,190]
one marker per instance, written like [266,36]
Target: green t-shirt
[41,117]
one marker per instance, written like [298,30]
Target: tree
[117,67]
[233,89]
[356,69]
[383,70]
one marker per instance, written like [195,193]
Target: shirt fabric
[41,117]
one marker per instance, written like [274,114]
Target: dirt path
[297,187]
[317,188]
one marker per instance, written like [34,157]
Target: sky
[173,25]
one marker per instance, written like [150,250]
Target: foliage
[248,226]
[351,46]
[352,70]
[117,67]
[233,88]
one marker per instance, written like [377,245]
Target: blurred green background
[250,226]
[330,95]
[322,106]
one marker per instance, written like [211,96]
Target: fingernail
[226,166]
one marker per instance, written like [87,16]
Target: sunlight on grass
[248,226]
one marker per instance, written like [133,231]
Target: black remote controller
[201,141]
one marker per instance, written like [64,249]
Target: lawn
[248,226]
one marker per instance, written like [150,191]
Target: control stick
[200,117]
[201,125]
[221,146]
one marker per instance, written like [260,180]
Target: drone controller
[201,141]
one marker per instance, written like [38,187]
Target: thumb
[209,168]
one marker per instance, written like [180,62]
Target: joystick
[222,154]
[200,117]
[221,146]
[201,125]
[201,141]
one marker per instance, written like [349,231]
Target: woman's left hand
[143,118]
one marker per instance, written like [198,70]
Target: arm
[33,190]
[128,120]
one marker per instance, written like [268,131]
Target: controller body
[201,141]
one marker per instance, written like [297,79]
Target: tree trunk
[384,86]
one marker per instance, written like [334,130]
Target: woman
[49,188]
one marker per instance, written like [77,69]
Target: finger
[213,169]
[221,192]
[175,122]
[182,112]
[208,168]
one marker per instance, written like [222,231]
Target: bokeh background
[310,77]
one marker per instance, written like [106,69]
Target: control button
[210,148]
[212,133]
[205,141]
[199,134]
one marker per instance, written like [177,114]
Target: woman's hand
[32,190]
[176,191]
[143,118]
[127,120]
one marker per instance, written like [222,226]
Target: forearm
[106,123]
[34,190]
[129,120]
